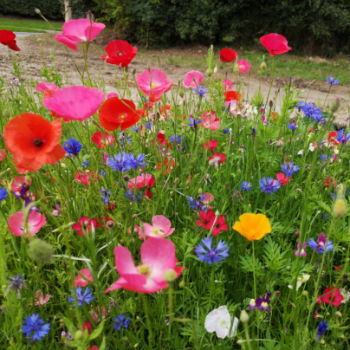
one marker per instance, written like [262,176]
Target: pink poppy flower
[161,227]
[210,121]
[193,79]
[211,145]
[144,180]
[83,278]
[49,89]
[228,85]
[79,30]
[153,83]
[85,177]
[207,197]
[85,225]
[41,299]
[20,183]
[283,179]
[35,222]
[216,159]
[74,102]
[275,44]
[158,267]
[243,66]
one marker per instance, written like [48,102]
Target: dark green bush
[314,26]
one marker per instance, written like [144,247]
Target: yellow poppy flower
[253,226]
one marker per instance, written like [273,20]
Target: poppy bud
[37,11]
[244,317]
[263,66]
[340,207]
[40,251]
[170,275]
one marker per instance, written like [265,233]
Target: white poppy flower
[219,321]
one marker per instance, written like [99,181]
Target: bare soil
[41,50]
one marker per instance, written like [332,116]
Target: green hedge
[318,26]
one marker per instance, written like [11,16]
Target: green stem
[254,276]
[148,320]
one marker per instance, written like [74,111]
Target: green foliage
[313,26]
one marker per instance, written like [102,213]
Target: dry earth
[41,50]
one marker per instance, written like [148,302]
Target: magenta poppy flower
[193,79]
[35,221]
[74,102]
[83,278]
[47,88]
[275,44]
[157,268]
[243,66]
[161,227]
[228,85]
[153,83]
[79,30]
[210,121]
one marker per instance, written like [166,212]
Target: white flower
[219,321]
[300,280]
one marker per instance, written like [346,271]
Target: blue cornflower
[311,111]
[324,157]
[86,163]
[17,283]
[35,328]
[289,168]
[125,161]
[83,296]
[103,172]
[72,146]
[322,245]
[321,329]
[196,204]
[207,253]
[194,122]
[121,321]
[105,194]
[269,185]
[342,137]
[246,186]
[148,126]
[3,193]
[226,131]
[292,126]
[134,197]
[253,132]
[330,80]
[200,90]
[176,139]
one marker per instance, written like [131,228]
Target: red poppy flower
[332,138]
[211,145]
[228,55]
[217,158]
[331,296]
[85,225]
[232,95]
[275,44]
[211,222]
[102,139]
[119,52]
[283,179]
[118,114]
[8,38]
[33,141]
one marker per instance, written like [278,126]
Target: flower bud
[40,251]
[244,317]
[340,207]
[263,66]
[37,11]
[170,275]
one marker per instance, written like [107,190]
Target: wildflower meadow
[171,215]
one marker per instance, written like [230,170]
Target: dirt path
[41,50]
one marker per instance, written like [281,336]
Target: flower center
[38,143]
[157,231]
[144,270]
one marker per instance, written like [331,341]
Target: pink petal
[124,262]
[83,278]
[70,42]
[83,29]
[193,79]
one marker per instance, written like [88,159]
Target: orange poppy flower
[33,141]
[118,113]
[253,226]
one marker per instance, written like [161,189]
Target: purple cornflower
[300,249]
[269,185]
[246,186]
[197,204]
[176,139]
[321,329]
[322,245]
[330,80]
[35,328]
[83,296]
[324,157]
[72,146]
[3,193]
[134,197]
[292,126]
[207,253]
[126,161]
[342,137]
[16,284]
[311,111]
[121,321]
[194,122]
[262,304]
[289,168]
[200,90]
[105,194]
